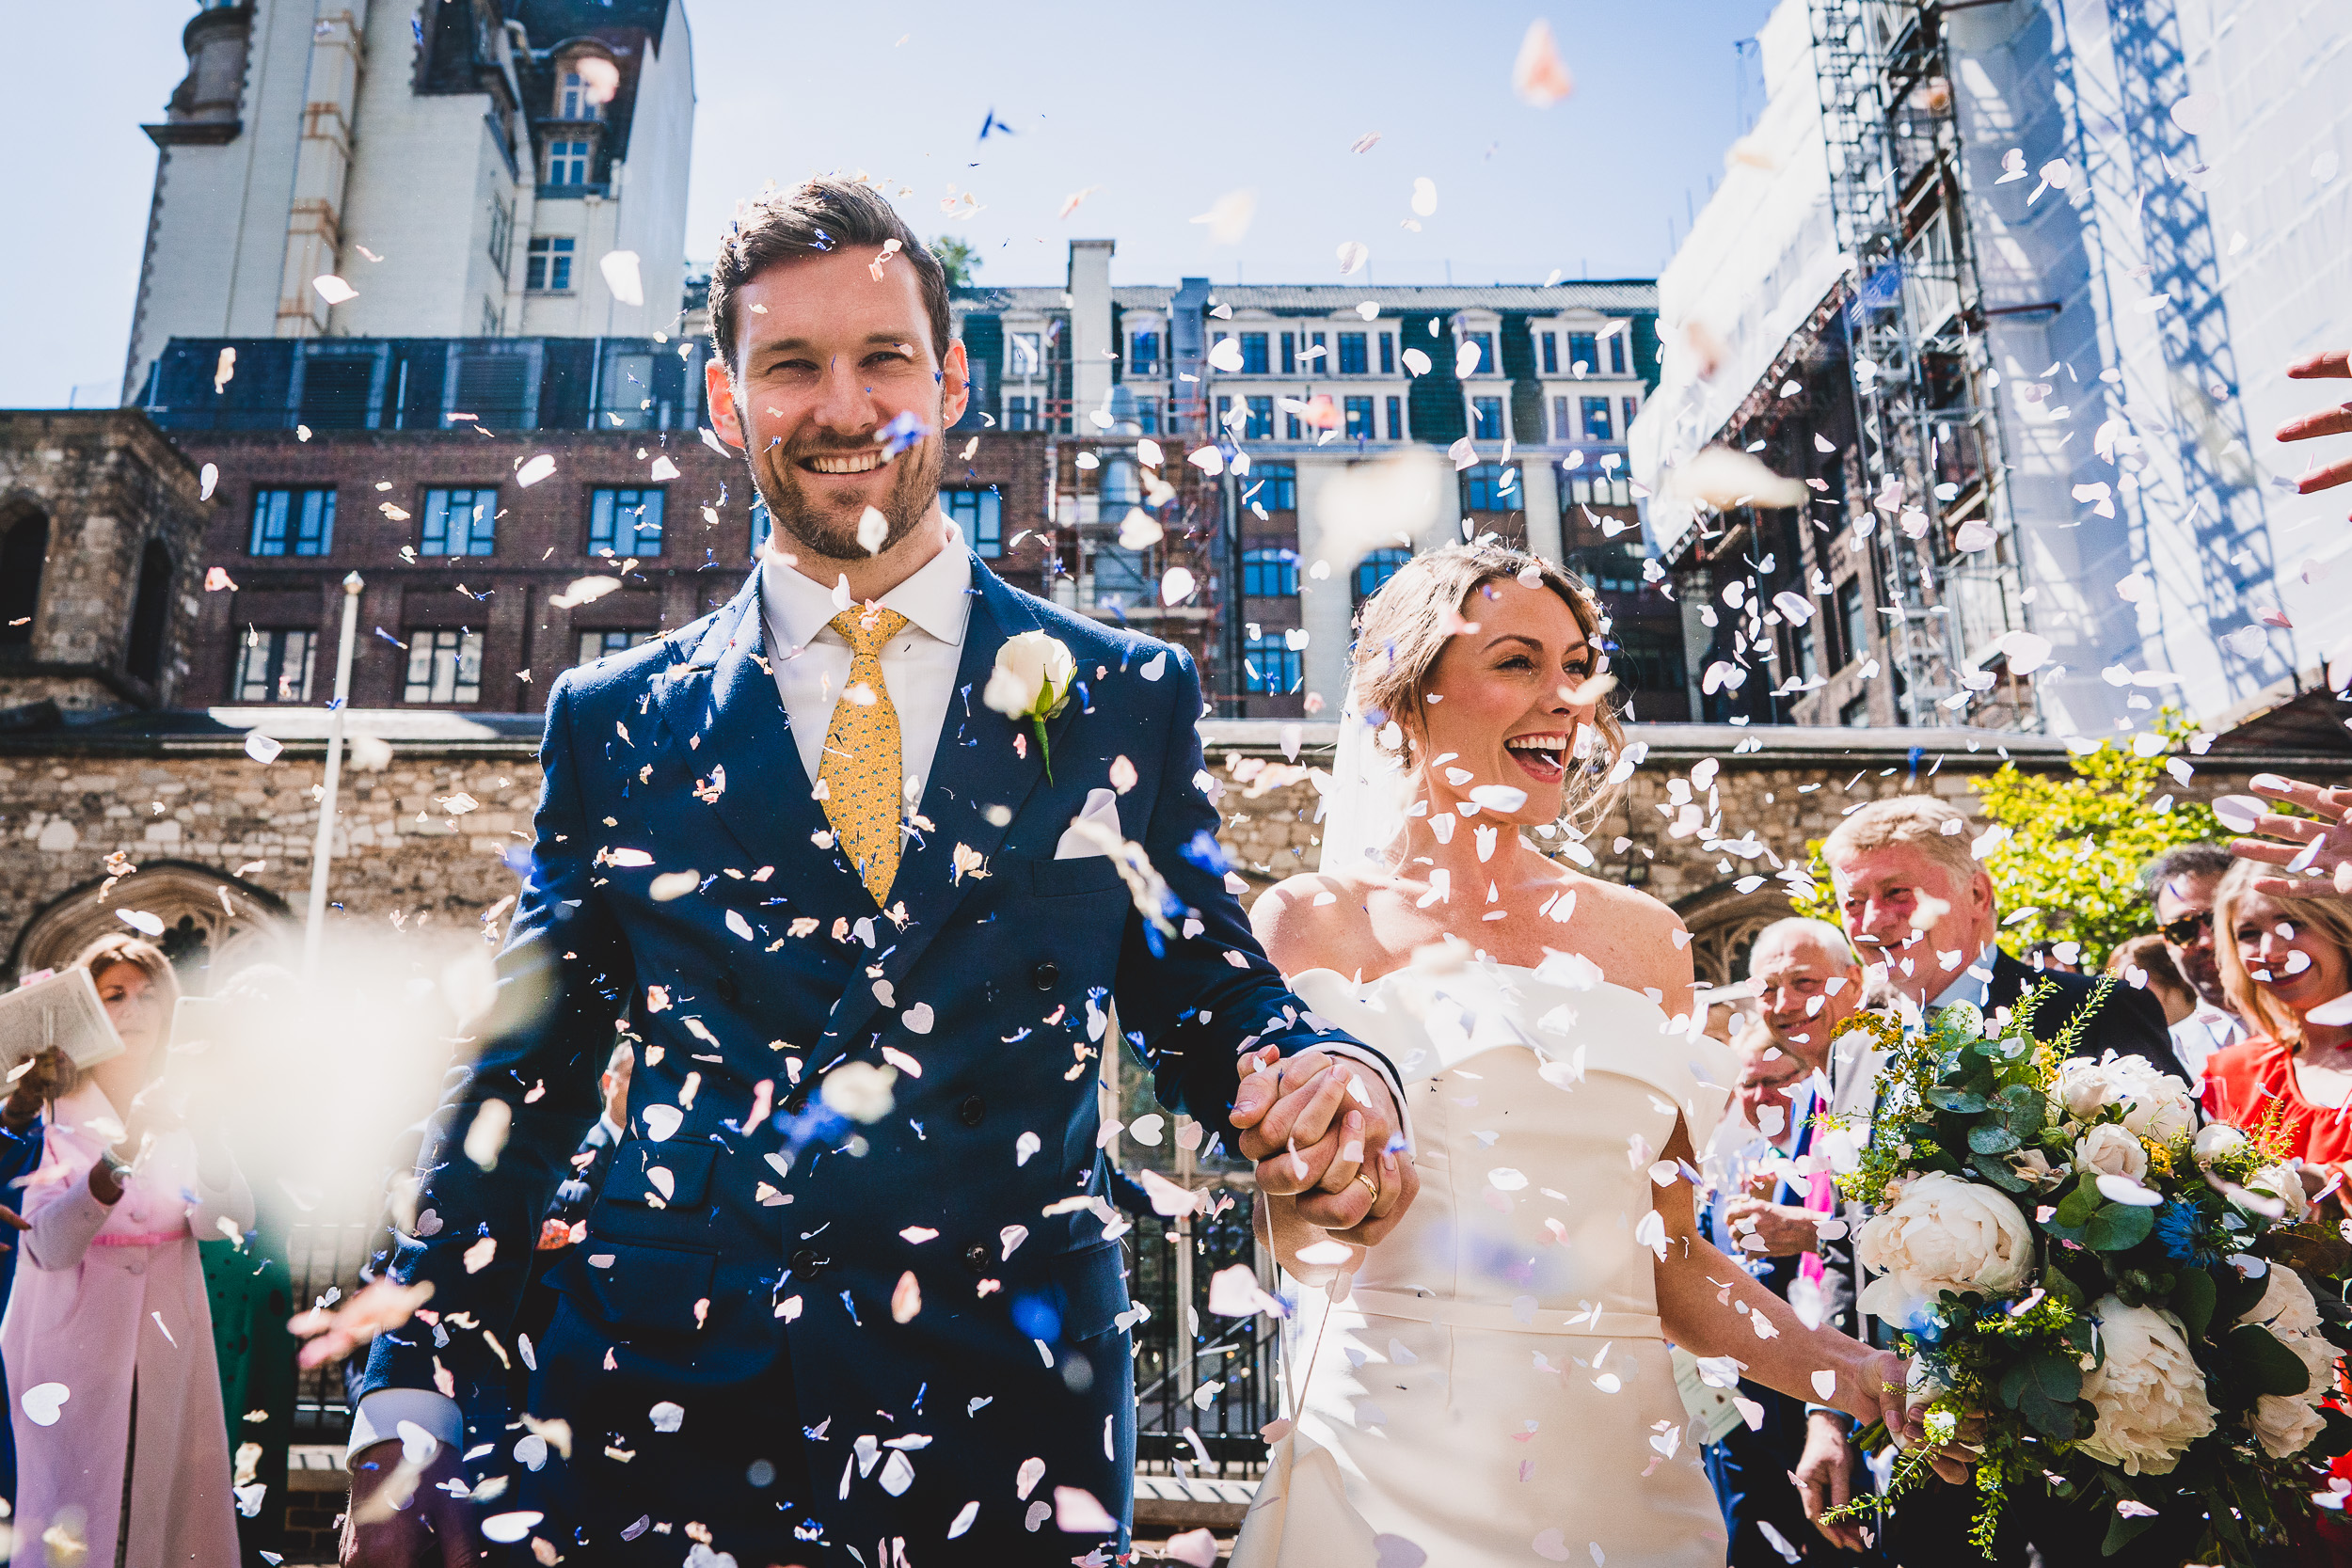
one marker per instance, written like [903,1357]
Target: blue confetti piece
[1202,850]
[902,432]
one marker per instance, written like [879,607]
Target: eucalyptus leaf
[2117,1227]
[2268,1367]
[2193,1297]
[1945,1097]
[1988,1137]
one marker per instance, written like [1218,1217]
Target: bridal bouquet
[2116,1295]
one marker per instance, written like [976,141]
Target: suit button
[795,1102]
[1047,976]
[976,1257]
[726,988]
[972,1110]
[806,1264]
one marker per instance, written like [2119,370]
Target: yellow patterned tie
[861,770]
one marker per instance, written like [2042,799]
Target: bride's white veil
[1365,803]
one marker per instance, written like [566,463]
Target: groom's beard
[829,530]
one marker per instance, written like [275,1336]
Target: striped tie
[861,770]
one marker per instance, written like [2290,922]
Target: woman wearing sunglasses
[2286,962]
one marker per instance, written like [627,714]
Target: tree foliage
[957,256]
[2074,847]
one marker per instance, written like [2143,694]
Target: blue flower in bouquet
[2181,1231]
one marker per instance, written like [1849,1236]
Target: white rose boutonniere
[1032,681]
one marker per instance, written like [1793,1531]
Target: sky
[1155,113]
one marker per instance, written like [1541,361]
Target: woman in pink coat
[120,1443]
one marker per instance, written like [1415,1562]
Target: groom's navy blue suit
[760,1299]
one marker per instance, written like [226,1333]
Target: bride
[1492,1374]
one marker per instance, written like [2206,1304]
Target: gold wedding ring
[1370,1185]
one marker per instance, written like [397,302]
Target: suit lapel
[720,709]
[977,767]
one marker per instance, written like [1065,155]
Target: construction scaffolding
[1926,482]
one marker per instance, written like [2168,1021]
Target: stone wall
[103,487]
[423,833]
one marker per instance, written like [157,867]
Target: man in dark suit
[865,857]
[1919,908]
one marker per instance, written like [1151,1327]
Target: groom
[852,1293]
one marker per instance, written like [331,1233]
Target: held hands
[2331,833]
[1885,1395]
[1319,1128]
[1785,1228]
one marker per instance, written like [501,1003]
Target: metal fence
[324,1257]
[1204,1384]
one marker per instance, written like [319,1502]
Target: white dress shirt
[811,660]
[1973,985]
[2196,1037]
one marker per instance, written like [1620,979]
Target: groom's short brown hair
[822,215]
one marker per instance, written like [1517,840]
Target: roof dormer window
[574,101]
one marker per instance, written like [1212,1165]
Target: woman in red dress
[2281,960]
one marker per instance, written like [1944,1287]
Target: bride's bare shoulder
[1313,921]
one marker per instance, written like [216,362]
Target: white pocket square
[1101,810]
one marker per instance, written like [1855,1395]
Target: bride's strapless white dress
[1496,1385]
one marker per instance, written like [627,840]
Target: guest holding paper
[121,1445]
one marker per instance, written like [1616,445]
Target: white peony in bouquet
[2115,1297]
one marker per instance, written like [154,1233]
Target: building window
[574,103]
[981,514]
[568,162]
[444,666]
[1143,353]
[1602,490]
[1291,429]
[548,271]
[1596,419]
[1616,354]
[1487,418]
[1359,412]
[1024,356]
[1289,354]
[1276,489]
[1388,354]
[1316,354]
[1490,487]
[1353,361]
[1808,660]
[1260,426]
[594,645]
[1855,714]
[1148,416]
[293,522]
[625,522]
[502,231]
[1397,416]
[1609,568]
[1628,407]
[275,666]
[1485,342]
[1853,631]
[1272,665]
[1020,413]
[1270,574]
[1584,352]
[1551,353]
[1253,357]
[1376,568]
[1563,420]
[460,522]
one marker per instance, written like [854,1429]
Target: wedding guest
[1763,1215]
[1919,906]
[2180,883]
[114,1301]
[1920,910]
[567,1212]
[2282,959]
[2147,963]
[23,1132]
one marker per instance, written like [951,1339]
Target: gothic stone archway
[214,923]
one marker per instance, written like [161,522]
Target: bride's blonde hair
[1404,630]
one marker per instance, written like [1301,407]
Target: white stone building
[467,166]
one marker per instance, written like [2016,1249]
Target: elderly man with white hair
[1777,1208]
